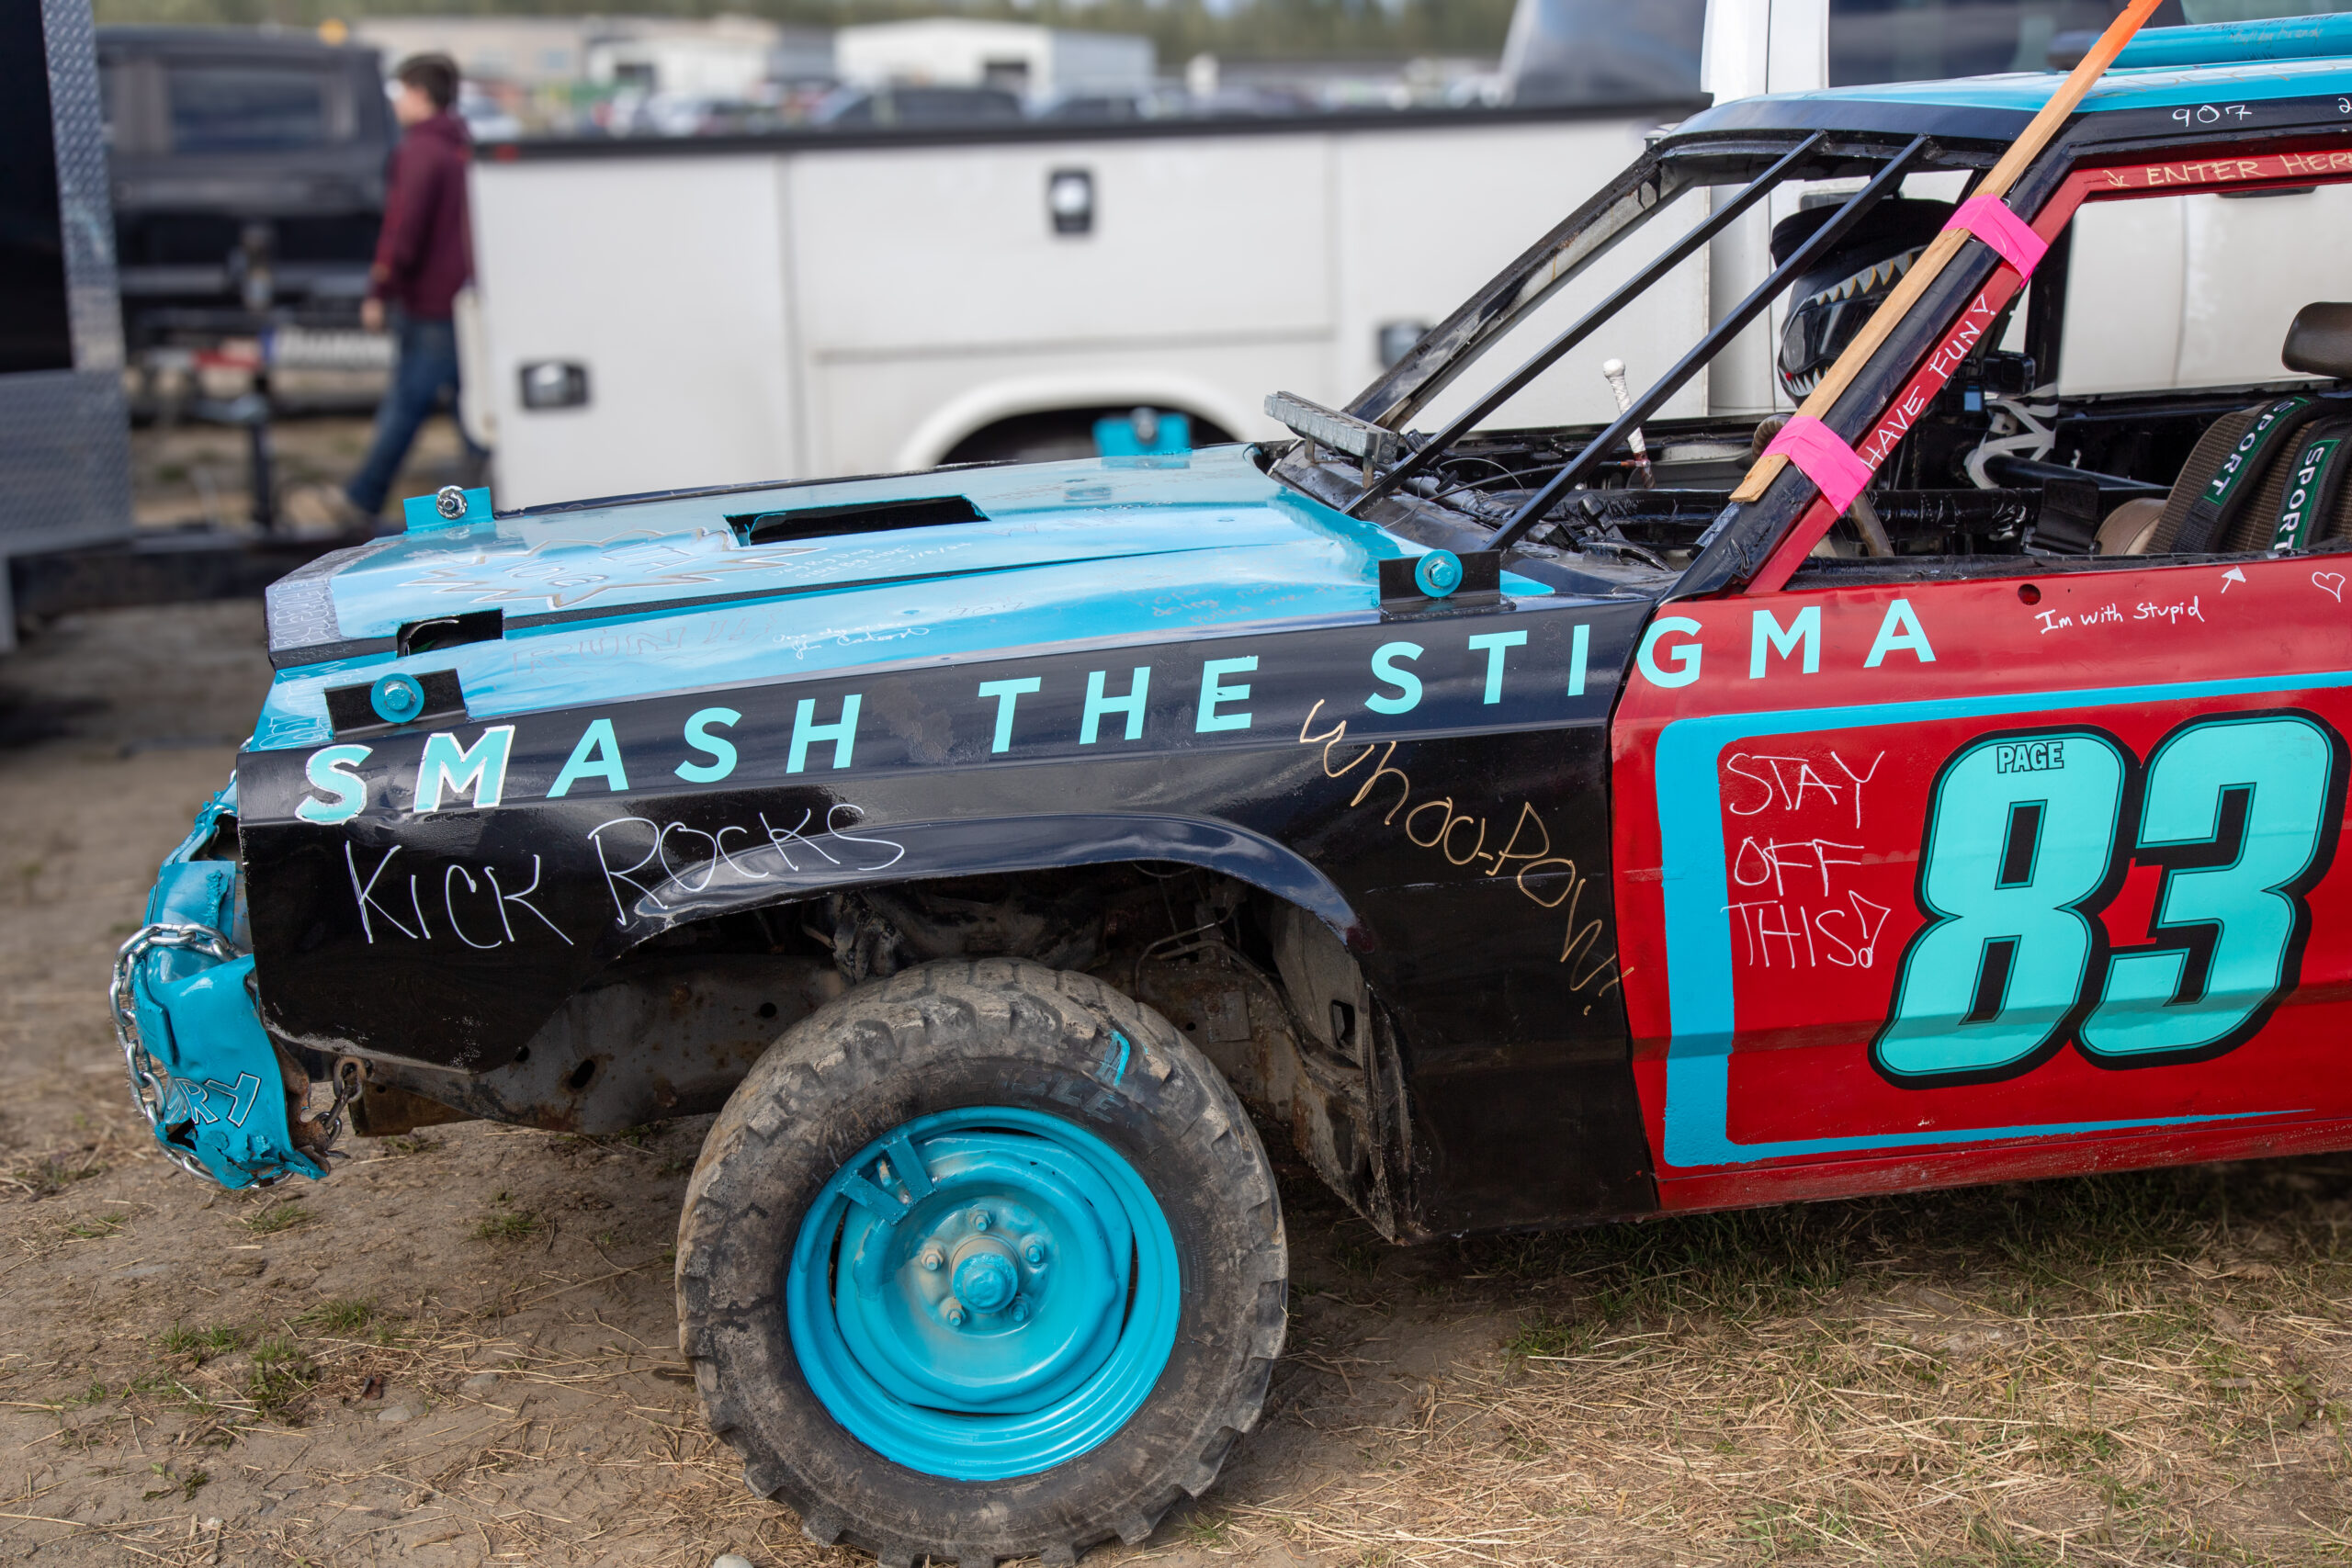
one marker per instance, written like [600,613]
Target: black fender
[725,883]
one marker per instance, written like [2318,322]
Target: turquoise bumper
[203,1072]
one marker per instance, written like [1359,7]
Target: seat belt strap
[1988,219]
[2314,484]
[2224,495]
[1823,457]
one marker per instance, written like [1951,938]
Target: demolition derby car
[1536,826]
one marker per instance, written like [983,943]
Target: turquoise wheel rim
[984,1293]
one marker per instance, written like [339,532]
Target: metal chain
[331,1121]
[150,1082]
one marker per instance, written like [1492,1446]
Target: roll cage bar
[1757,545]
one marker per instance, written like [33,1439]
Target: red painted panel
[1769,829]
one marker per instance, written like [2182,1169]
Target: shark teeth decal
[1877,275]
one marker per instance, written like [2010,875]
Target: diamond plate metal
[84,199]
[64,460]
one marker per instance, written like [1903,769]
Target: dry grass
[2120,1368]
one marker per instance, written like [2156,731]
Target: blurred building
[528,51]
[1037,62]
[720,56]
[725,57]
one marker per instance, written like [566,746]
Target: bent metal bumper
[223,1100]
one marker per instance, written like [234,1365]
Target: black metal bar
[1587,324]
[1828,234]
[263,471]
[1736,548]
[1449,348]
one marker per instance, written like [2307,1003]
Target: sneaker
[321,511]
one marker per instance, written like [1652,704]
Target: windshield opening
[1615,323]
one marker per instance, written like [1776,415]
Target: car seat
[2233,493]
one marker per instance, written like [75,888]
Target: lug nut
[983,1219]
[1018,1310]
[934,1261]
[1034,1252]
[954,1312]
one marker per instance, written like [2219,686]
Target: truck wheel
[981,1261]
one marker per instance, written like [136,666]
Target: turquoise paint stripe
[645,656]
[2216,43]
[1696,888]
[2118,91]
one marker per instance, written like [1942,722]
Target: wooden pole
[1945,246]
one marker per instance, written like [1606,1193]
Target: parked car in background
[902,105]
[487,119]
[248,178]
[855,298]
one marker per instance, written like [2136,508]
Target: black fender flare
[721,880]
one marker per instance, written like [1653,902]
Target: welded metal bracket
[1369,444]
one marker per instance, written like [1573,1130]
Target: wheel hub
[984,1258]
[987,1280]
[987,1332]
[984,1292]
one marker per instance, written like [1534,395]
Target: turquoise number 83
[2023,849]
[2021,836]
[2240,812]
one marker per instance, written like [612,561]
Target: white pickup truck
[666,314]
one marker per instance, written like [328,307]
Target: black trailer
[67,541]
[64,443]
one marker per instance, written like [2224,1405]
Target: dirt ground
[194,472]
[461,1348]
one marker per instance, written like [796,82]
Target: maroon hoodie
[424,254]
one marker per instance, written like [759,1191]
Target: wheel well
[1261,986]
[1058,435]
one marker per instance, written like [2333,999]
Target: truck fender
[984,405]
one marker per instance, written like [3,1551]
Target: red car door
[1953,881]
[1951,877]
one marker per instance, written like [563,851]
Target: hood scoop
[862,517]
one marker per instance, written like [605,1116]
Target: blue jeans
[425,367]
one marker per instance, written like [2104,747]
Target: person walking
[423,257]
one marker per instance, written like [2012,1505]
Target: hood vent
[450,631]
[862,517]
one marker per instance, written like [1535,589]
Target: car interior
[2318,344]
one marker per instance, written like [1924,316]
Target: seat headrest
[2319,342]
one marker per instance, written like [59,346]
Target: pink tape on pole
[1824,458]
[1989,218]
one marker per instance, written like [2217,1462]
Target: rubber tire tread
[964,1032]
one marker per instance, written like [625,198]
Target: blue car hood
[634,598]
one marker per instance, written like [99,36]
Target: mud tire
[942,1036]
